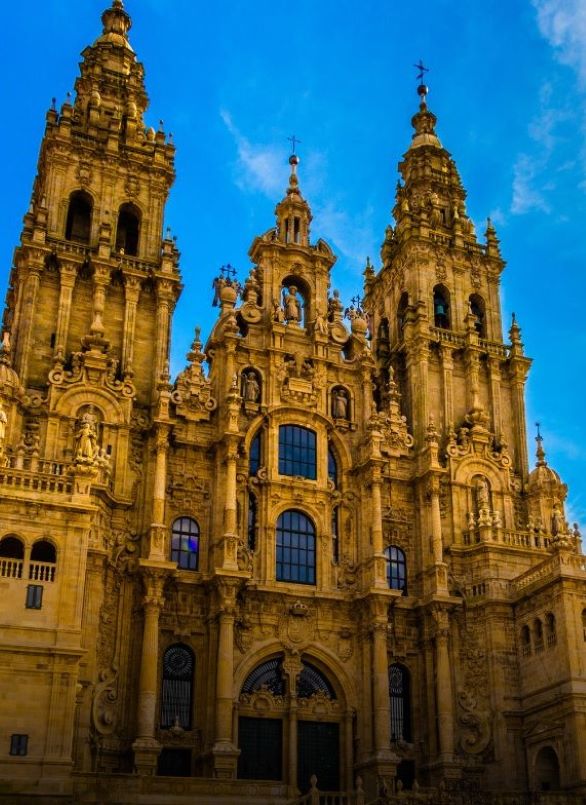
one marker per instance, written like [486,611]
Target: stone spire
[110,92]
[293,212]
[431,197]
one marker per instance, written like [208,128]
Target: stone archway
[547,769]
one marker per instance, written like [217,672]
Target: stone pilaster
[146,748]
[224,752]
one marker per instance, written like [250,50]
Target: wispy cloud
[262,168]
[532,172]
[563,24]
[259,167]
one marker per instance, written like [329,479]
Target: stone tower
[319,551]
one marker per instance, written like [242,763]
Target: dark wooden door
[260,741]
[318,752]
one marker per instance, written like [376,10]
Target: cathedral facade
[317,559]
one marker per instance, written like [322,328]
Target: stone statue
[335,307]
[557,522]
[482,494]
[278,313]
[340,404]
[86,447]
[320,325]
[251,388]
[292,308]
[3,424]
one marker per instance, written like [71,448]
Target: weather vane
[228,271]
[294,143]
[422,70]
[538,425]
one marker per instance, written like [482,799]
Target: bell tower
[92,273]
[436,306]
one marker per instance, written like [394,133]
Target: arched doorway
[547,769]
[290,725]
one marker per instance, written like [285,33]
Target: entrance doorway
[318,752]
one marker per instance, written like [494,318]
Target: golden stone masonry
[318,559]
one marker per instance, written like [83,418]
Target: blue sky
[232,80]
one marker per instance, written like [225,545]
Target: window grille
[400,703]
[297,452]
[178,667]
[185,543]
[295,548]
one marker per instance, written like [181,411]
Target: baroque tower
[317,558]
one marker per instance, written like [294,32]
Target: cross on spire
[228,271]
[294,143]
[422,70]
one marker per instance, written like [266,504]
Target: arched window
[252,524]
[478,309]
[401,313]
[332,467]
[399,691]
[185,543]
[176,693]
[11,558]
[396,568]
[268,675]
[127,231]
[43,559]
[336,534]
[312,681]
[525,640]
[11,547]
[254,458]
[547,769]
[43,551]
[297,451]
[441,307]
[550,630]
[295,548]
[79,217]
[538,634]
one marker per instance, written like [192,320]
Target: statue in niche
[3,424]
[278,313]
[335,307]
[556,520]
[340,404]
[292,307]
[482,494]
[320,325]
[86,444]
[251,388]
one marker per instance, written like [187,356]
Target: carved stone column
[146,748]
[101,280]
[292,667]
[443,683]
[433,492]
[447,374]
[31,288]
[225,753]
[495,394]
[68,274]
[376,513]
[158,527]
[165,304]
[382,765]
[132,293]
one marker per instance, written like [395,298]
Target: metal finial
[422,89]
[228,271]
[294,143]
[538,425]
